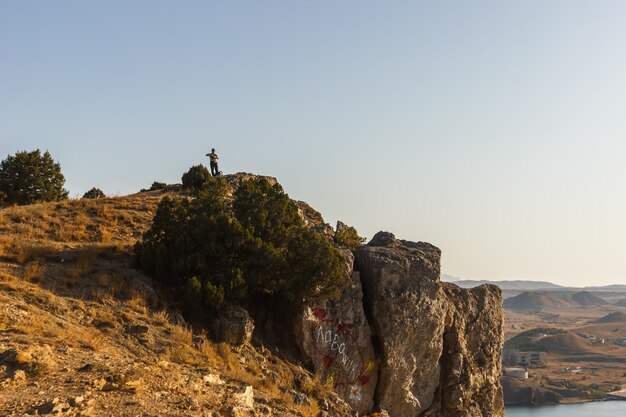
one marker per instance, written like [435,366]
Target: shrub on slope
[251,248]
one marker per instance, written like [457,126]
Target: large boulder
[334,336]
[439,345]
[233,325]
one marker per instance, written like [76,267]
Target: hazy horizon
[494,131]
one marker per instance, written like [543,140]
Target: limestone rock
[245,399]
[233,325]
[334,336]
[439,345]
[213,379]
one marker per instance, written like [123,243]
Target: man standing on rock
[213,157]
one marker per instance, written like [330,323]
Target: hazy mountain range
[525,284]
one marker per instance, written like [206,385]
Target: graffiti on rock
[344,364]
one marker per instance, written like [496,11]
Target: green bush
[94,193]
[196,177]
[154,187]
[29,177]
[251,249]
[348,237]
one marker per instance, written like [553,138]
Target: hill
[552,341]
[504,285]
[84,333]
[614,317]
[621,303]
[533,300]
[586,298]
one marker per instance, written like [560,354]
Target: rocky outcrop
[523,392]
[435,349]
[335,336]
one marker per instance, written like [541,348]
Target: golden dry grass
[50,330]
[33,271]
[160,318]
[181,335]
[305,410]
[138,303]
[107,220]
[82,267]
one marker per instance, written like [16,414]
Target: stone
[110,386]
[48,406]
[18,376]
[136,329]
[245,399]
[99,383]
[300,398]
[212,379]
[440,345]
[323,404]
[76,401]
[398,339]
[85,368]
[233,325]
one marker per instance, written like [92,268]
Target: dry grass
[104,220]
[36,360]
[183,354]
[312,410]
[82,266]
[104,297]
[181,334]
[105,318]
[160,318]
[48,329]
[210,354]
[86,337]
[138,303]
[21,250]
[33,271]
[115,284]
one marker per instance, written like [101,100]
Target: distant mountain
[528,285]
[504,285]
[586,298]
[450,278]
[614,317]
[612,287]
[621,303]
[536,299]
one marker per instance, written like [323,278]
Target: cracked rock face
[439,345]
[334,335]
[436,348]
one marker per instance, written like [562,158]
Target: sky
[493,130]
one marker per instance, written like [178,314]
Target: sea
[594,409]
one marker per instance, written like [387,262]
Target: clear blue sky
[494,130]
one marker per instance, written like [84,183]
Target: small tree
[196,177]
[252,249]
[348,236]
[94,193]
[29,177]
[154,187]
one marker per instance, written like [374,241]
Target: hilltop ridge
[83,332]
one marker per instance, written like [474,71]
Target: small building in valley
[520,373]
[529,358]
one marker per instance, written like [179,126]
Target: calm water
[598,409]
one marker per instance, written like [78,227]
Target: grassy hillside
[83,332]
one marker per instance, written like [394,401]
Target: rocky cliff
[402,341]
